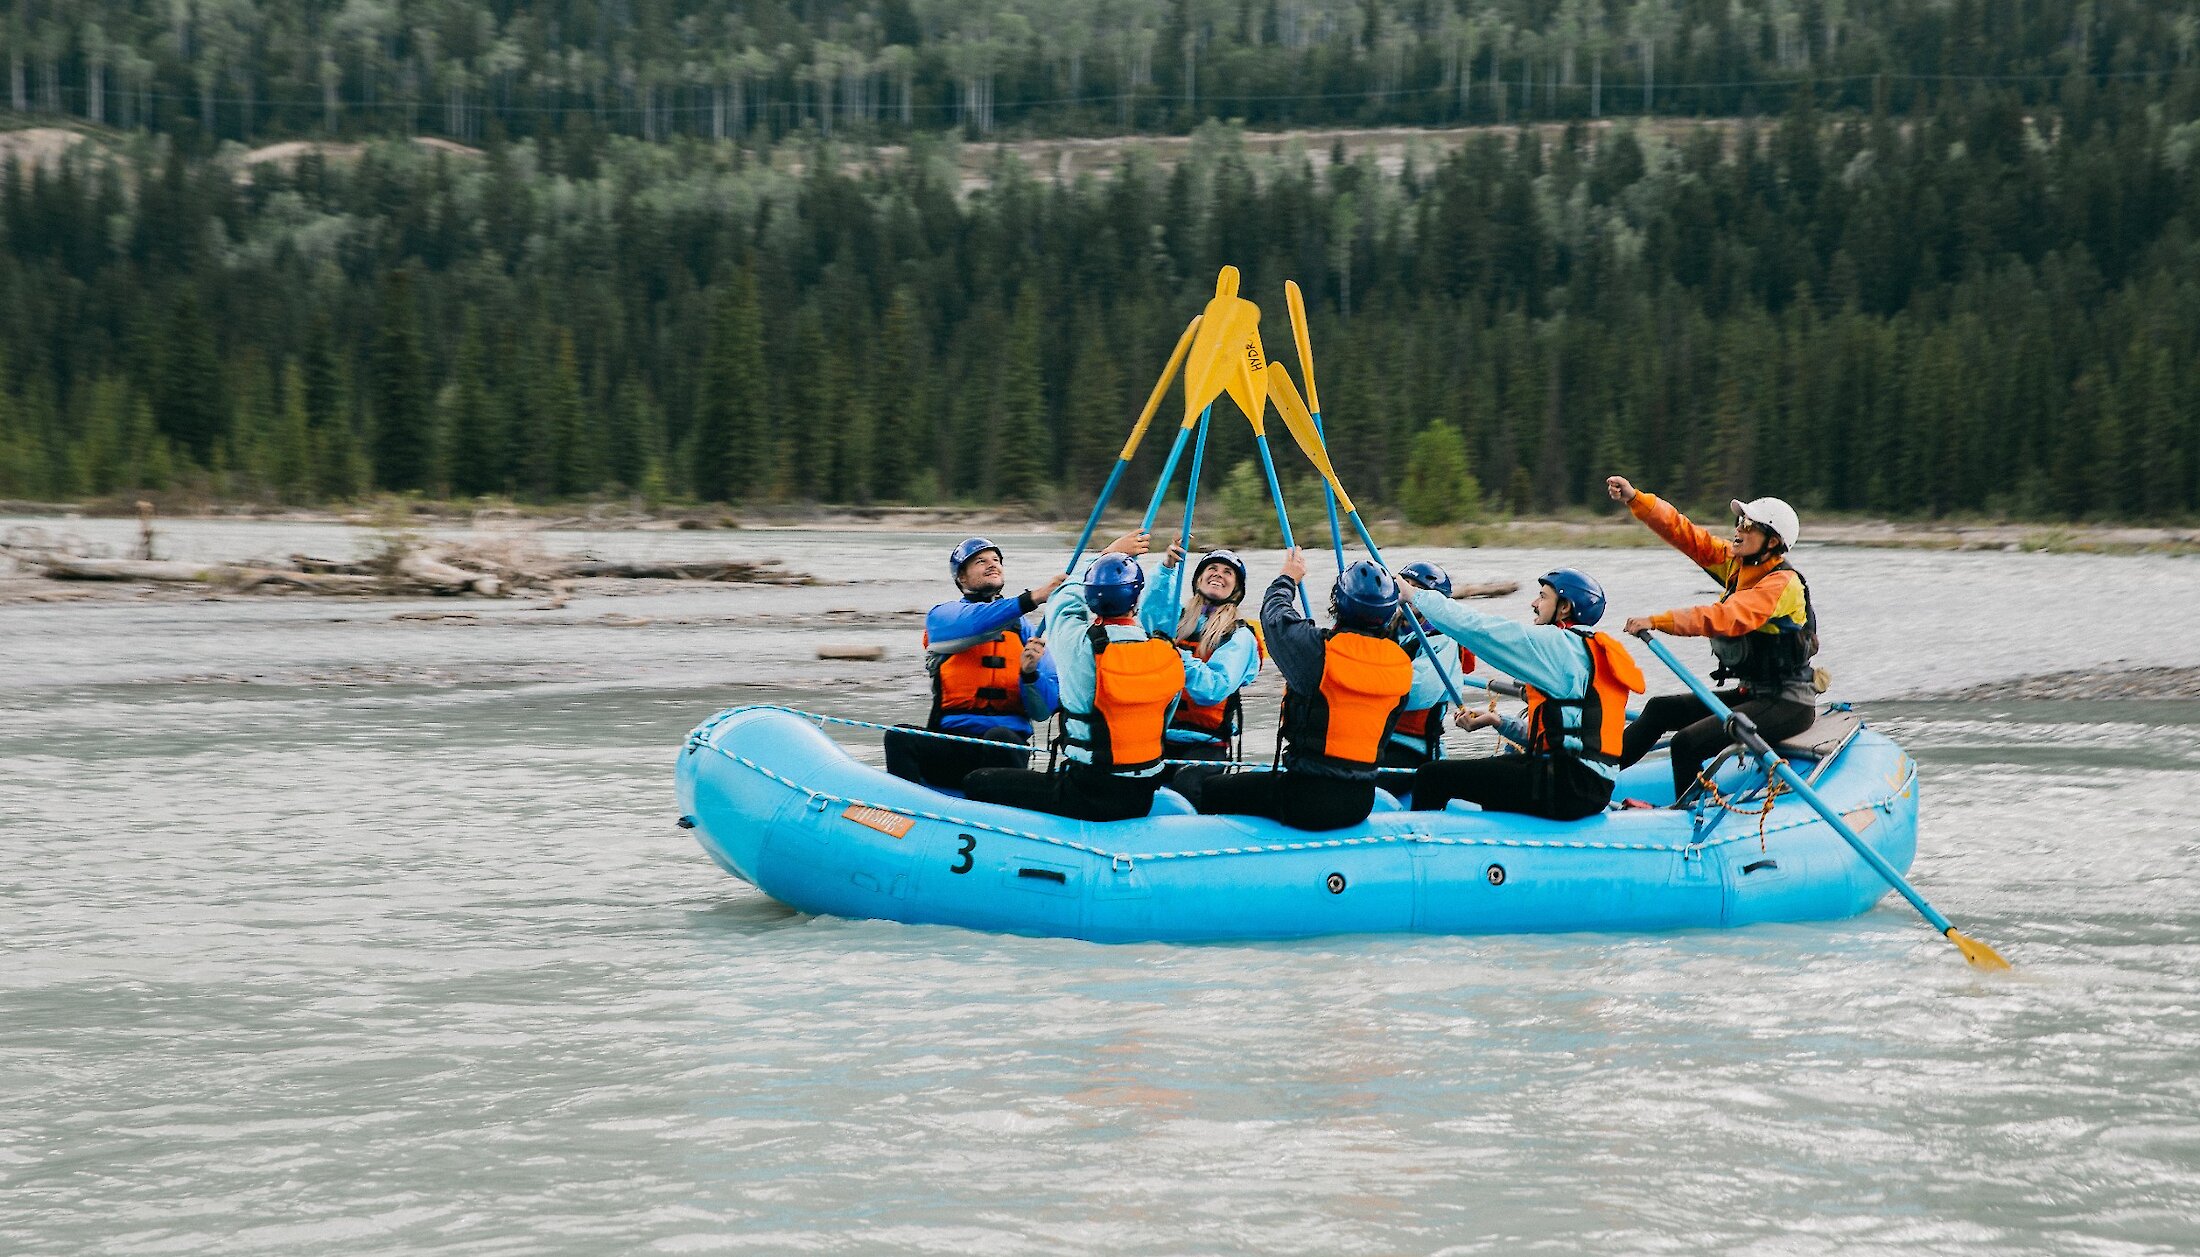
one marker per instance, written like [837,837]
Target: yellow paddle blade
[1229,337]
[1979,954]
[1292,298]
[1248,385]
[1160,386]
[1301,424]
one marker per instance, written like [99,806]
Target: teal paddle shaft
[1168,473]
[1093,521]
[1283,517]
[1191,488]
[1450,690]
[1514,689]
[1744,730]
[1329,494]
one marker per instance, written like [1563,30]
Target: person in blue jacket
[990,678]
[1578,684]
[1119,684]
[1225,651]
[1418,737]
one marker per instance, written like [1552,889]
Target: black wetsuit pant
[1559,788]
[1077,791]
[1697,736]
[939,762]
[1300,800]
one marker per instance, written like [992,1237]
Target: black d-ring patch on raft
[687,822]
[1496,874]
[1754,865]
[1335,883]
[1049,874]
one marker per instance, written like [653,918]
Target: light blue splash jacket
[953,627]
[1209,681]
[1068,625]
[1552,659]
[1428,687]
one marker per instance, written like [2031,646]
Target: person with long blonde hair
[1223,649]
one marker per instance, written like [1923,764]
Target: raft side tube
[778,802]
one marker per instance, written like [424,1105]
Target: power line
[1544,90]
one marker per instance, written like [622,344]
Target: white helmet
[1773,514]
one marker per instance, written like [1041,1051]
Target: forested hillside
[1973,296]
[253,69]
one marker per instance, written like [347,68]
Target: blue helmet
[1428,576]
[1229,559]
[1112,584]
[968,550]
[1364,596]
[1579,589]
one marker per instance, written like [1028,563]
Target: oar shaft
[1329,495]
[1191,488]
[1168,473]
[1746,730]
[1450,690]
[1107,491]
[1283,517]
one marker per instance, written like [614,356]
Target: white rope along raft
[705,737]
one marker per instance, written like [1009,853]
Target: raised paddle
[1229,330]
[1275,493]
[1130,447]
[1297,303]
[1226,355]
[1301,424]
[1744,730]
[1168,468]
[1191,487]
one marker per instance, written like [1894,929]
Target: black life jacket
[1776,655]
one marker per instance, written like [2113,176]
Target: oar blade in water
[1979,954]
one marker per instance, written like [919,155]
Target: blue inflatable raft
[778,804]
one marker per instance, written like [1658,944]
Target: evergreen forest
[1902,257]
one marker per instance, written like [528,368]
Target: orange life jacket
[1220,721]
[1339,730]
[986,679]
[1613,675]
[1133,685]
[1418,722]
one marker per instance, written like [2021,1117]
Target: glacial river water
[329,932]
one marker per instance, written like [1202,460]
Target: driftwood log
[488,571]
[1485,589]
[74,567]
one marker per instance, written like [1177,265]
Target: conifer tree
[187,397]
[475,425]
[579,459]
[290,447]
[404,441]
[730,441]
[1019,448]
[897,397]
[1096,422]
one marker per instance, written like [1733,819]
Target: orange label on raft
[878,818]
